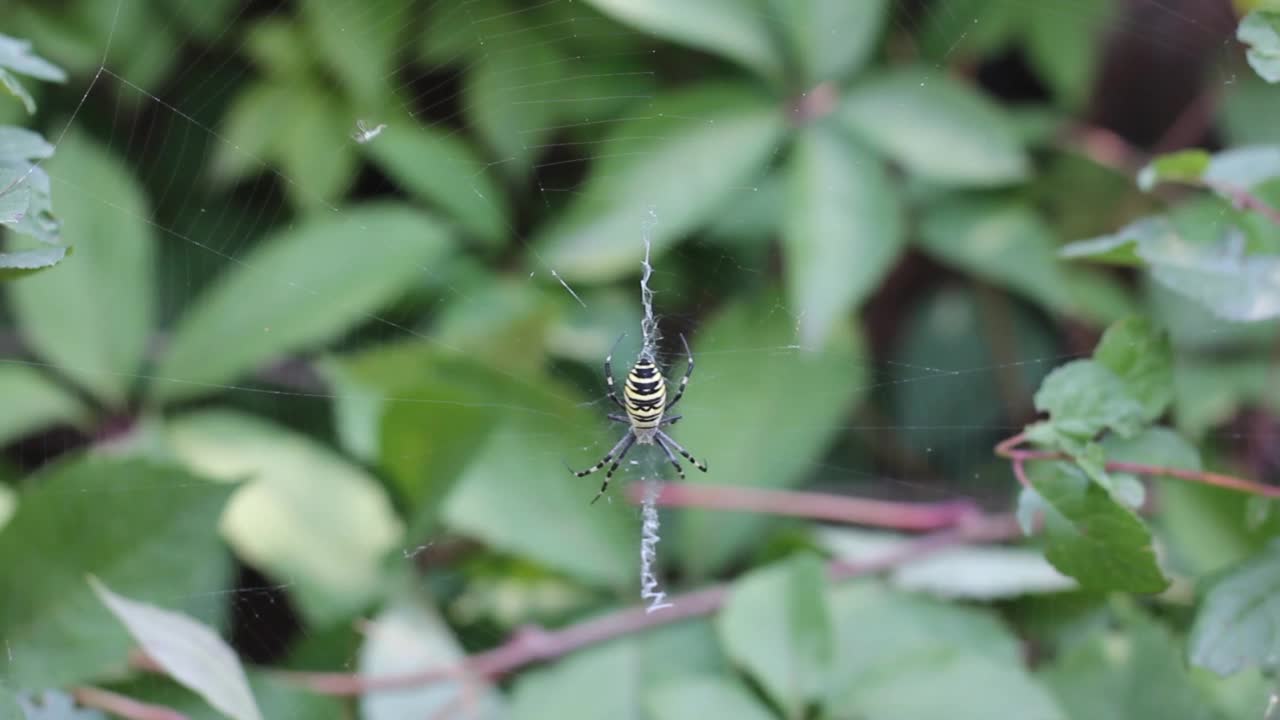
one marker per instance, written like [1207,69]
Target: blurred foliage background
[319,392]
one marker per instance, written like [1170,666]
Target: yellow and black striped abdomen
[645,394]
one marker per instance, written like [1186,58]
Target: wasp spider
[645,413]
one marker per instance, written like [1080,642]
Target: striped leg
[688,370]
[668,419]
[659,439]
[665,438]
[616,454]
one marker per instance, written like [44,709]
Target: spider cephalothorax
[645,409]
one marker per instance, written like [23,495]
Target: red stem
[125,707]
[1008,449]
[814,506]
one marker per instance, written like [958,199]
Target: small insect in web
[645,413]
[364,133]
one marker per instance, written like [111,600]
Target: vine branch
[533,644]
[123,706]
[1008,449]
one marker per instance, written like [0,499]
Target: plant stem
[814,506]
[125,707]
[533,644]
[1008,449]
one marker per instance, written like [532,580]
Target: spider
[645,412]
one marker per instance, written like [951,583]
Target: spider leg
[665,438]
[608,372]
[616,455]
[619,418]
[688,370]
[675,464]
[668,419]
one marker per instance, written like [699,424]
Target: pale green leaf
[1061,43]
[1243,167]
[1235,626]
[309,284]
[1260,30]
[706,698]
[776,626]
[442,169]
[842,231]
[17,144]
[315,150]
[8,504]
[978,573]
[955,686]
[935,127]
[1091,537]
[92,317]
[737,29]
[830,39]
[251,128]
[26,262]
[770,436]
[303,512]
[33,401]
[187,651]
[664,173]
[51,705]
[409,636]
[148,530]
[15,88]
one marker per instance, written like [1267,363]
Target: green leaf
[440,168]
[1248,104]
[596,547]
[1154,446]
[8,504]
[1001,241]
[976,573]
[1139,353]
[830,39]
[1062,46]
[776,626]
[251,129]
[52,705]
[409,636]
[1185,166]
[1232,285]
[1090,536]
[938,129]
[957,687]
[1260,30]
[9,707]
[304,512]
[358,43]
[187,651]
[612,680]
[768,437]
[735,29]
[842,231]
[316,179]
[1084,397]
[664,172]
[16,56]
[365,256]
[707,698]
[148,530]
[1234,626]
[878,631]
[1111,676]
[33,402]
[103,300]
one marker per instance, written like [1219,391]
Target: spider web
[166,121]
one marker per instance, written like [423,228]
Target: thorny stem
[1008,449]
[814,506]
[122,706]
[535,644]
